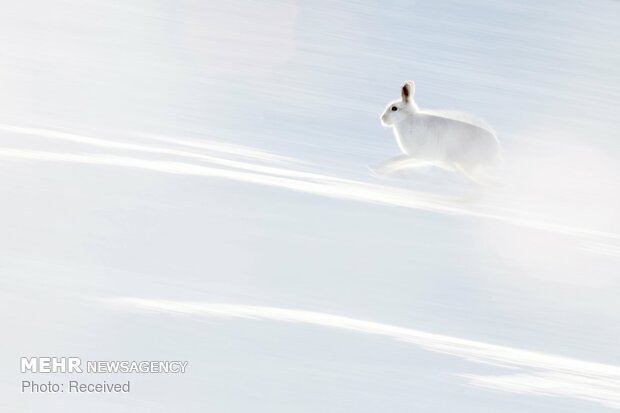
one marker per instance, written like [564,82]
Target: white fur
[454,142]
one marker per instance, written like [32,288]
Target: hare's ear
[407,90]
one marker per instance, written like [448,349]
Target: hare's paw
[399,166]
[379,170]
[388,166]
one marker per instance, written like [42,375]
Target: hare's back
[465,140]
[462,117]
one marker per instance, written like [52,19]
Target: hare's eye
[394,108]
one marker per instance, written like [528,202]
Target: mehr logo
[75,365]
[51,365]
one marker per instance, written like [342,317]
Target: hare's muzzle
[385,119]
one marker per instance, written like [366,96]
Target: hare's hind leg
[475,172]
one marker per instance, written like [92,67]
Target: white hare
[449,141]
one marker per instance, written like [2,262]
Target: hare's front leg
[397,163]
